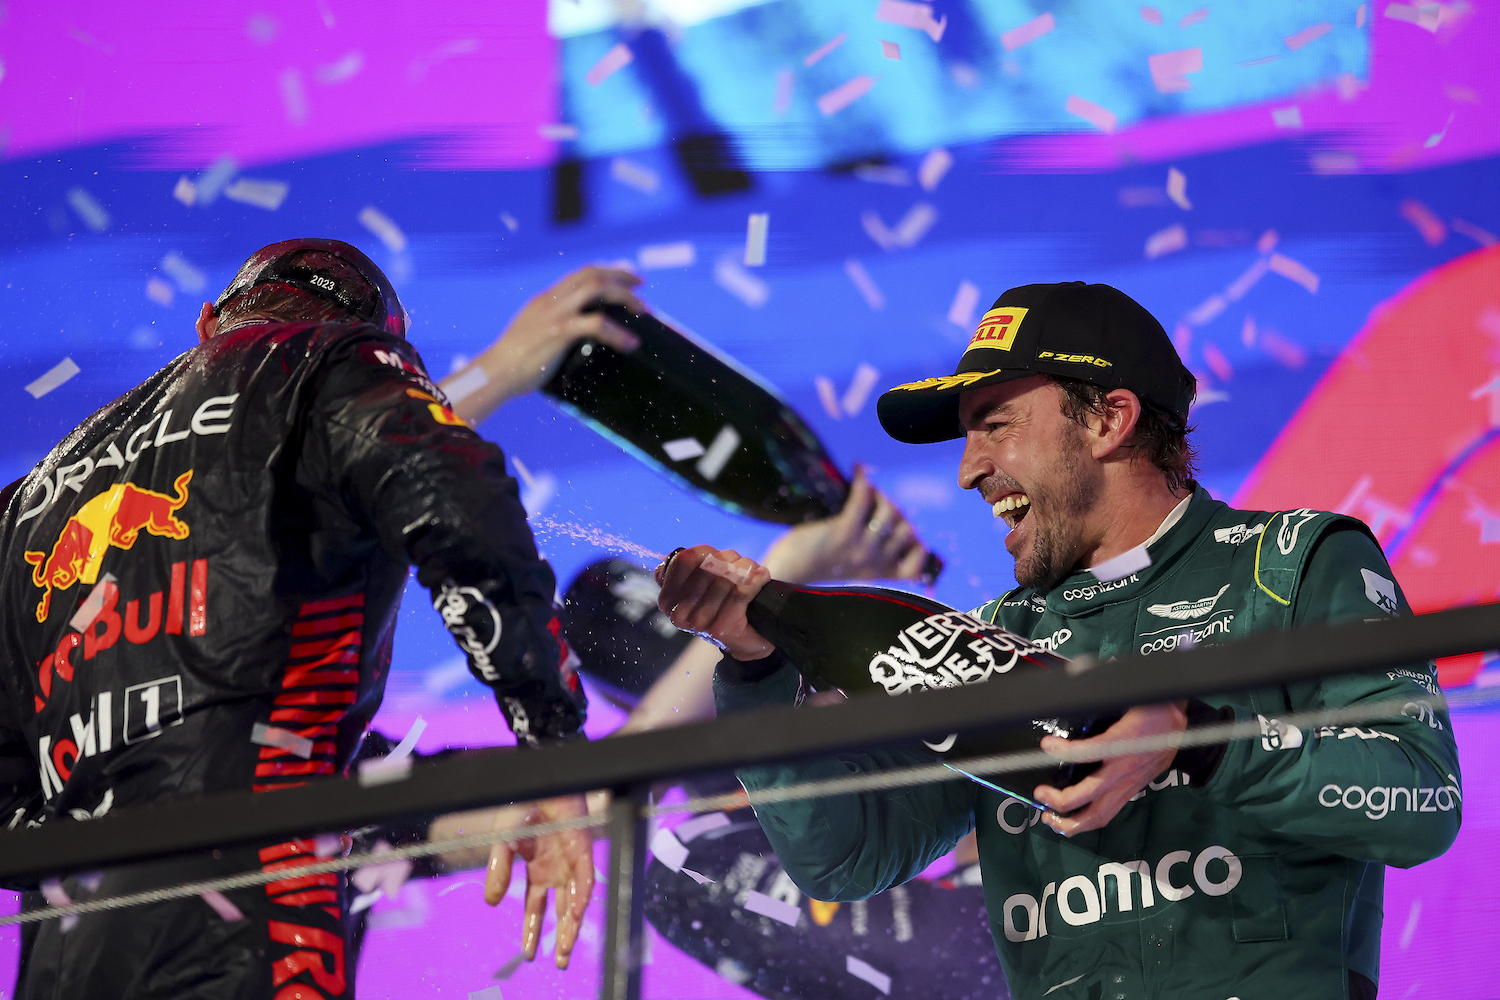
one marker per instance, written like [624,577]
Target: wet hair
[1160,434]
[284,304]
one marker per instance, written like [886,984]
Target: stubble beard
[1056,540]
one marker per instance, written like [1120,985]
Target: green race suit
[1265,880]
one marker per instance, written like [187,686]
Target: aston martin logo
[1185,610]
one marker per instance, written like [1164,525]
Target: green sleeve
[1386,791]
[849,847]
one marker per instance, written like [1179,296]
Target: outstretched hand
[557,861]
[869,539]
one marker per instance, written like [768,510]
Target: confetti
[1166,241]
[877,230]
[740,283]
[159,291]
[1427,16]
[890,50]
[93,214]
[1218,363]
[770,906]
[90,608]
[935,166]
[1028,32]
[1426,221]
[222,906]
[961,312]
[383,772]
[1142,196]
[883,173]
[1492,390]
[1247,331]
[389,876]
[1287,117]
[488,993]
[345,69]
[858,393]
[509,968]
[293,96]
[1437,137]
[1206,396]
[213,180]
[866,284]
[756,230]
[828,396]
[383,227]
[188,277]
[724,445]
[665,845]
[464,385]
[509,221]
[283,739]
[557,131]
[1289,354]
[1127,562]
[661,255]
[911,15]
[56,895]
[1246,281]
[1151,15]
[54,377]
[1101,118]
[1208,310]
[1481,236]
[1267,241]
[1359,15]
[538,490]
[1197,16]
[1294,271]
[825,48]
[632,174]
[861,969]
[609,64]
[1307,35]
[1177,188]
[914,224]
[682,448]
[1334,161]
[185,191]
[689,830]
[262,194]
[1169,69]
[845,94]
[785,81]
[700,879]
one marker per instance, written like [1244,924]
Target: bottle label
[949,650]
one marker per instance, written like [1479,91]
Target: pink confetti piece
[1218,363]
[1127,562]
[293,96]
[282,739]
[665,845]
[1267,241]
[56,895]
[1028,32]
[634,175]
[756,231]
[1427,16]
[1101,118]
[1208,310]
[1287,353]
[877,230]
[1246,281]
[159,291]
[1177,188]
[934,166]
[1247,331]
[1481,236]
[845,94]
[827,47]
[222,906]
[861,969]
[1182,339]
[785,82]
[1425,220]
[915,224]
[689,830]
[1165,241]
[961,312]
[1359,15]
[1287,117]
[734,279]
[1307,35]
[616,59]
[868,290]
[828,395]
[770,906]
[557,131]
[865,377]
[1294,271]
[1151,15]
[736,575]
[890,50]
[1169,69]
[911,15]
[1194,17]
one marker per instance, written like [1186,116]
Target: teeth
[1010,503]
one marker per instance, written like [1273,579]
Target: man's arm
[1386,791]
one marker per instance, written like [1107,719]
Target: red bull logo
[116,518]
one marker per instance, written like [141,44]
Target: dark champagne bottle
[709,424]
[859,639]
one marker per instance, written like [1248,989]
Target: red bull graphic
[116,518]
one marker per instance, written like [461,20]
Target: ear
[1110,432]
[208,323]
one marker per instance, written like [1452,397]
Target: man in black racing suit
[200,591]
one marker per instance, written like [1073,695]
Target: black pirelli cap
[1093,333]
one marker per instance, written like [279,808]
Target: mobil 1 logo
[152,706]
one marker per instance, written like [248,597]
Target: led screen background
[1327,269]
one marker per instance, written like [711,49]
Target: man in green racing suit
[1252,870]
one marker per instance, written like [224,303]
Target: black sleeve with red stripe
[439,497]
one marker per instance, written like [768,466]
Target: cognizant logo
[1377,802]
[1185,638]
[1093,590]
[1083,899]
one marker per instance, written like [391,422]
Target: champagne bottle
[703,420]
[859,639]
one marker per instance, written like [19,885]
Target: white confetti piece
[861,969]
[1177,188]
[609,64]
[700,879]
[689,830]
[283,739]
[383,772]
[661,255]
[1127,562]
[858,393]
[384,228]
[785,82]
[827,47]
[682,448]
[868,290]
[538,491]
[488,993]
[1065,982]
[1294,271]
[1207,310]
[961,312]
[222,906]
[93,214]
[1169,69]
[1437,137]
[509,221]
[188,277]
[54,377]
[890,50]
[1101,118]
[883,173]
[912,15]
[185,191]
[632,174]
[724,445]
[770,906]
[915,224]
[90,608]
[326,845]
[1307,35]
[557,131]
[1028,32]
[877,230]
[346,68]
[390,876]
[667,848]
[159,291]
[1287,117]
[828,395]
[740,283]
[462,386]
[756,230]
[1166,241]
[213,180]
[262,194]
[934,166]
[409,741]
[845,94]
[1188,20]
[293,96]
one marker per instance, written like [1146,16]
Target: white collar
[1170,520]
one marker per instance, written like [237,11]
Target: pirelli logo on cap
[998,328]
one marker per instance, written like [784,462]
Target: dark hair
[283,303]
[1159,433]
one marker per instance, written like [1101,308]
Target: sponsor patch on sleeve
[1380,591]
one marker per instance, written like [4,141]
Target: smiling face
[1033,465]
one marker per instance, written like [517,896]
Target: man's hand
[869,539]
[1097,799]
[705,591]
[529,351]
[562,861]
